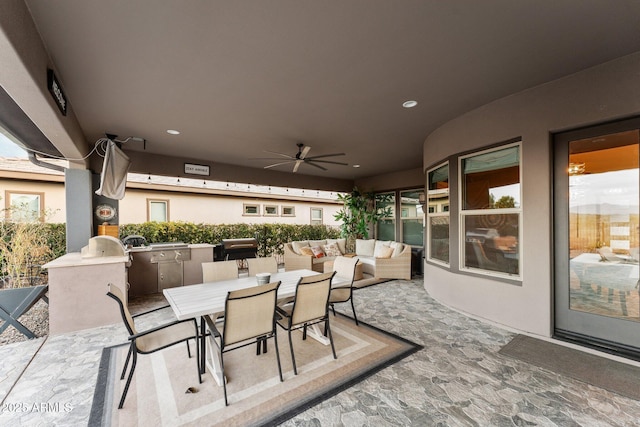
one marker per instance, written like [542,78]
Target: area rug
[158,394]
[617,377]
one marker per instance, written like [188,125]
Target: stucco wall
[603,93]
[217,210]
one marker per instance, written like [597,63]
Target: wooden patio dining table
[197,301]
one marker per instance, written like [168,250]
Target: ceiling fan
[301,157]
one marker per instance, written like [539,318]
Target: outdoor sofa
[380,259]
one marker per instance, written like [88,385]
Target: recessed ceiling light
[356,166]
[409,104]
[173,132]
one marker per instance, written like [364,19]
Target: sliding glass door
[596,234]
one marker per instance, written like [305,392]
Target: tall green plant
[24,245]
[359,212]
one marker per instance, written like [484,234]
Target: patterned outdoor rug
[158,397]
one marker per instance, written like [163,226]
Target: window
[491,210]
[316,216]
[386,227]
[270,210]
[288,211]
[24,206]
[438,214]
[412,217]
[251,210]
[157,210]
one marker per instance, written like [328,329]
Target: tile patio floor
[458,379]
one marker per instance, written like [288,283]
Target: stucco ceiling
[240,77]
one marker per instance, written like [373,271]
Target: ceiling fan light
[409,104]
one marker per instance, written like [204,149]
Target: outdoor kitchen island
[165,265]
[78,281]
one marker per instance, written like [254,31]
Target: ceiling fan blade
[326,161]
[314,165]
[325,155]
[280,164]
[297,165]
[304,152]
[280,154]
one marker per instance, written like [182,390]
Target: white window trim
[462,213]
[166,203]
[246,205]
[266,207]
[293,211]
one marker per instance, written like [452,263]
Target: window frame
[394,211]
[250,205]
[315,221]
[265,210]
[8,205]
[284,213]
[154,200]
[403,219]
[463,213]
[437,213]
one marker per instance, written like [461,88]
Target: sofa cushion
[320,243]
[384,252]
[342,244]
[317,251]
[296,246]
[306,250]
[380,245]
[397,248]
[365,247]
[332,249]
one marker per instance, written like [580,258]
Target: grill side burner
[239,248]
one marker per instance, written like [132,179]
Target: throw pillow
[397,248]
[365,247]
[342,244]
[306,250]
[385,253]
[317,251]
[332,249]
[299,245]
[381,250]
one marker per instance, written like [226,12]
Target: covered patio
[459,378]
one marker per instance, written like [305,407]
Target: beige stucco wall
[54,197]
[216,209]
[603,93]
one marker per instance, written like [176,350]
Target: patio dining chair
[152,340]
[262,265]
[249,319]
[310,306]
[345,269]
[219,270]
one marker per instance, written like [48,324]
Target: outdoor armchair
[152,340]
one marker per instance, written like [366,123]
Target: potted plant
[359,212]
